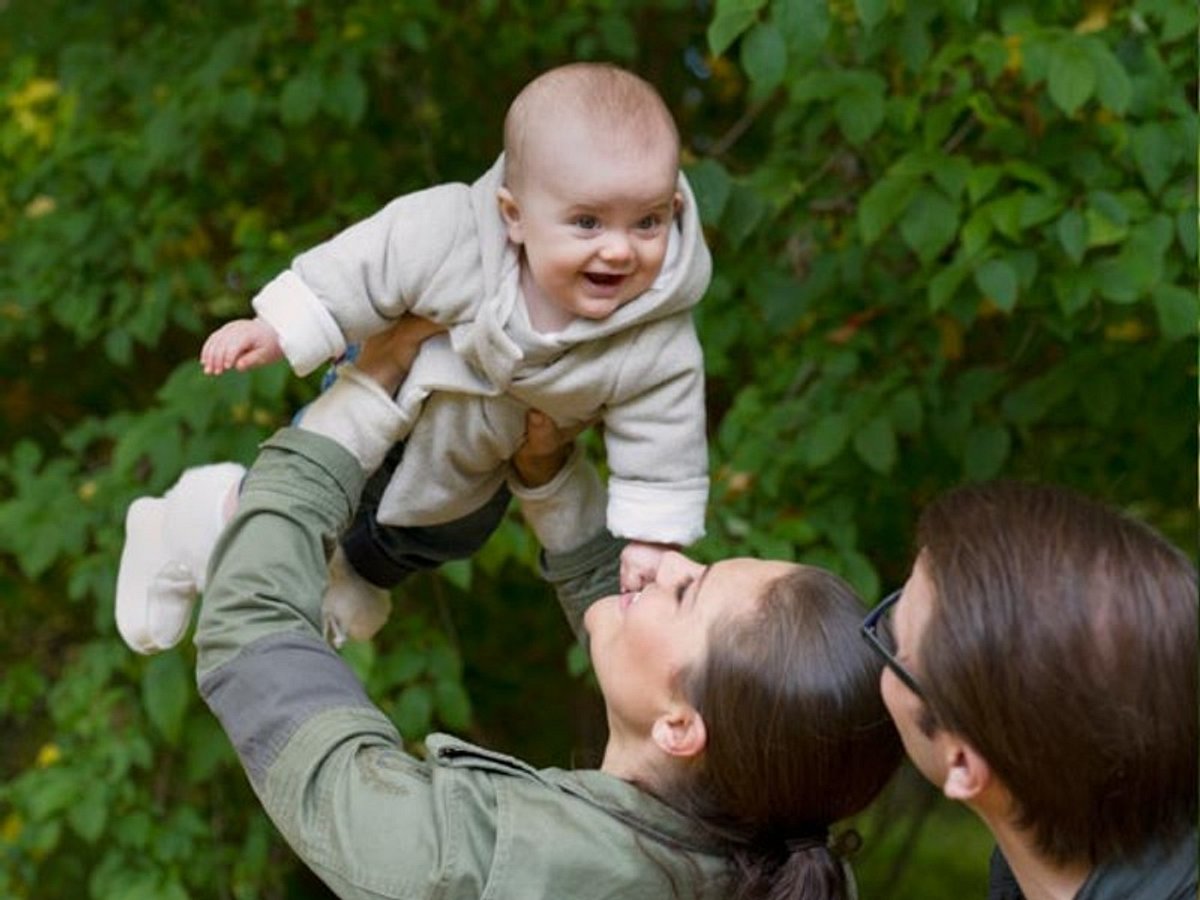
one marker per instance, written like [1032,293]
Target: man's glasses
[877,630]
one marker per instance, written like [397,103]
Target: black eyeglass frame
[870,633]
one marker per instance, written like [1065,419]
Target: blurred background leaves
[954,240]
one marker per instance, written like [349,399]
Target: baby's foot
[353,608]
[167,545]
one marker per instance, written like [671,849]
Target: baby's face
[593,216]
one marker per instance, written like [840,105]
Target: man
[1042,670]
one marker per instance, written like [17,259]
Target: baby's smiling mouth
[603,279]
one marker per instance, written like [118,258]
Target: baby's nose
[616,246]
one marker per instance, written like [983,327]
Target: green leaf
[976,234]
[458,572]
[453,705]
[711,184]
[987,449]
[859,108]
[1071,77]
[346,96]
[414,711]
[906,411]
[1178,311]
[89,814]
[882,204]
[1186,231]
[1101,230]
[1072,234]
[577,661]
[826,439]
[981,180]
[944,284]
[997,280]
[731,18]
[1155,153]
[1115,281]
[166,688]
[1113,88]
[875,444]
[764,56]
[805,25]
[743,213]
[301,97]
[929,223]
[871,12]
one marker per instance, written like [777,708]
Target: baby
[563,279]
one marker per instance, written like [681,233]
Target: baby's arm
[654,435]
[241,344]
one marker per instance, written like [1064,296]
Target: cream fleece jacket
[443,253]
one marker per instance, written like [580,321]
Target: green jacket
[329,767]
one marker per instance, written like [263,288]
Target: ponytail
[812,868]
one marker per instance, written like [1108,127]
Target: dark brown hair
[798,737]
[617,102]
[1062,645]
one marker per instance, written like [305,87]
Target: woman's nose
[674,568]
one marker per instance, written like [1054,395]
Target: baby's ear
[510,212]
[677,203]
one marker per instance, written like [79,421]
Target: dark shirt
[1161,873]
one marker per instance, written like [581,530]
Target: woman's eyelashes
[681,589]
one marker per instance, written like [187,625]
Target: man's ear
[680,732]
[968,774]
[510,212]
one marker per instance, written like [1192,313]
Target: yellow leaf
[48,756]
[1096,18]
[1129,331]
[11,829]
[1012,43]
[41,205]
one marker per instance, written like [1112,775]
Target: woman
[743,708]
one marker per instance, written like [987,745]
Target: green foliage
[954,239]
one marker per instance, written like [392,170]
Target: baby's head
[590,187]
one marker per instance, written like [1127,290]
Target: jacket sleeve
[654,435]
[326,763]
[359,281]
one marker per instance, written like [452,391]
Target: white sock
[167,545]
[352,607]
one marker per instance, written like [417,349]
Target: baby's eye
[648,223]
[588,223]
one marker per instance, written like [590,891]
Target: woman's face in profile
[640,641]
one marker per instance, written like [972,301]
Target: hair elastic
[809,842]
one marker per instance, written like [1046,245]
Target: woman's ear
[510,212]
[680,732]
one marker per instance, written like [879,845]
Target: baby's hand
[242,344]
[639,564]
